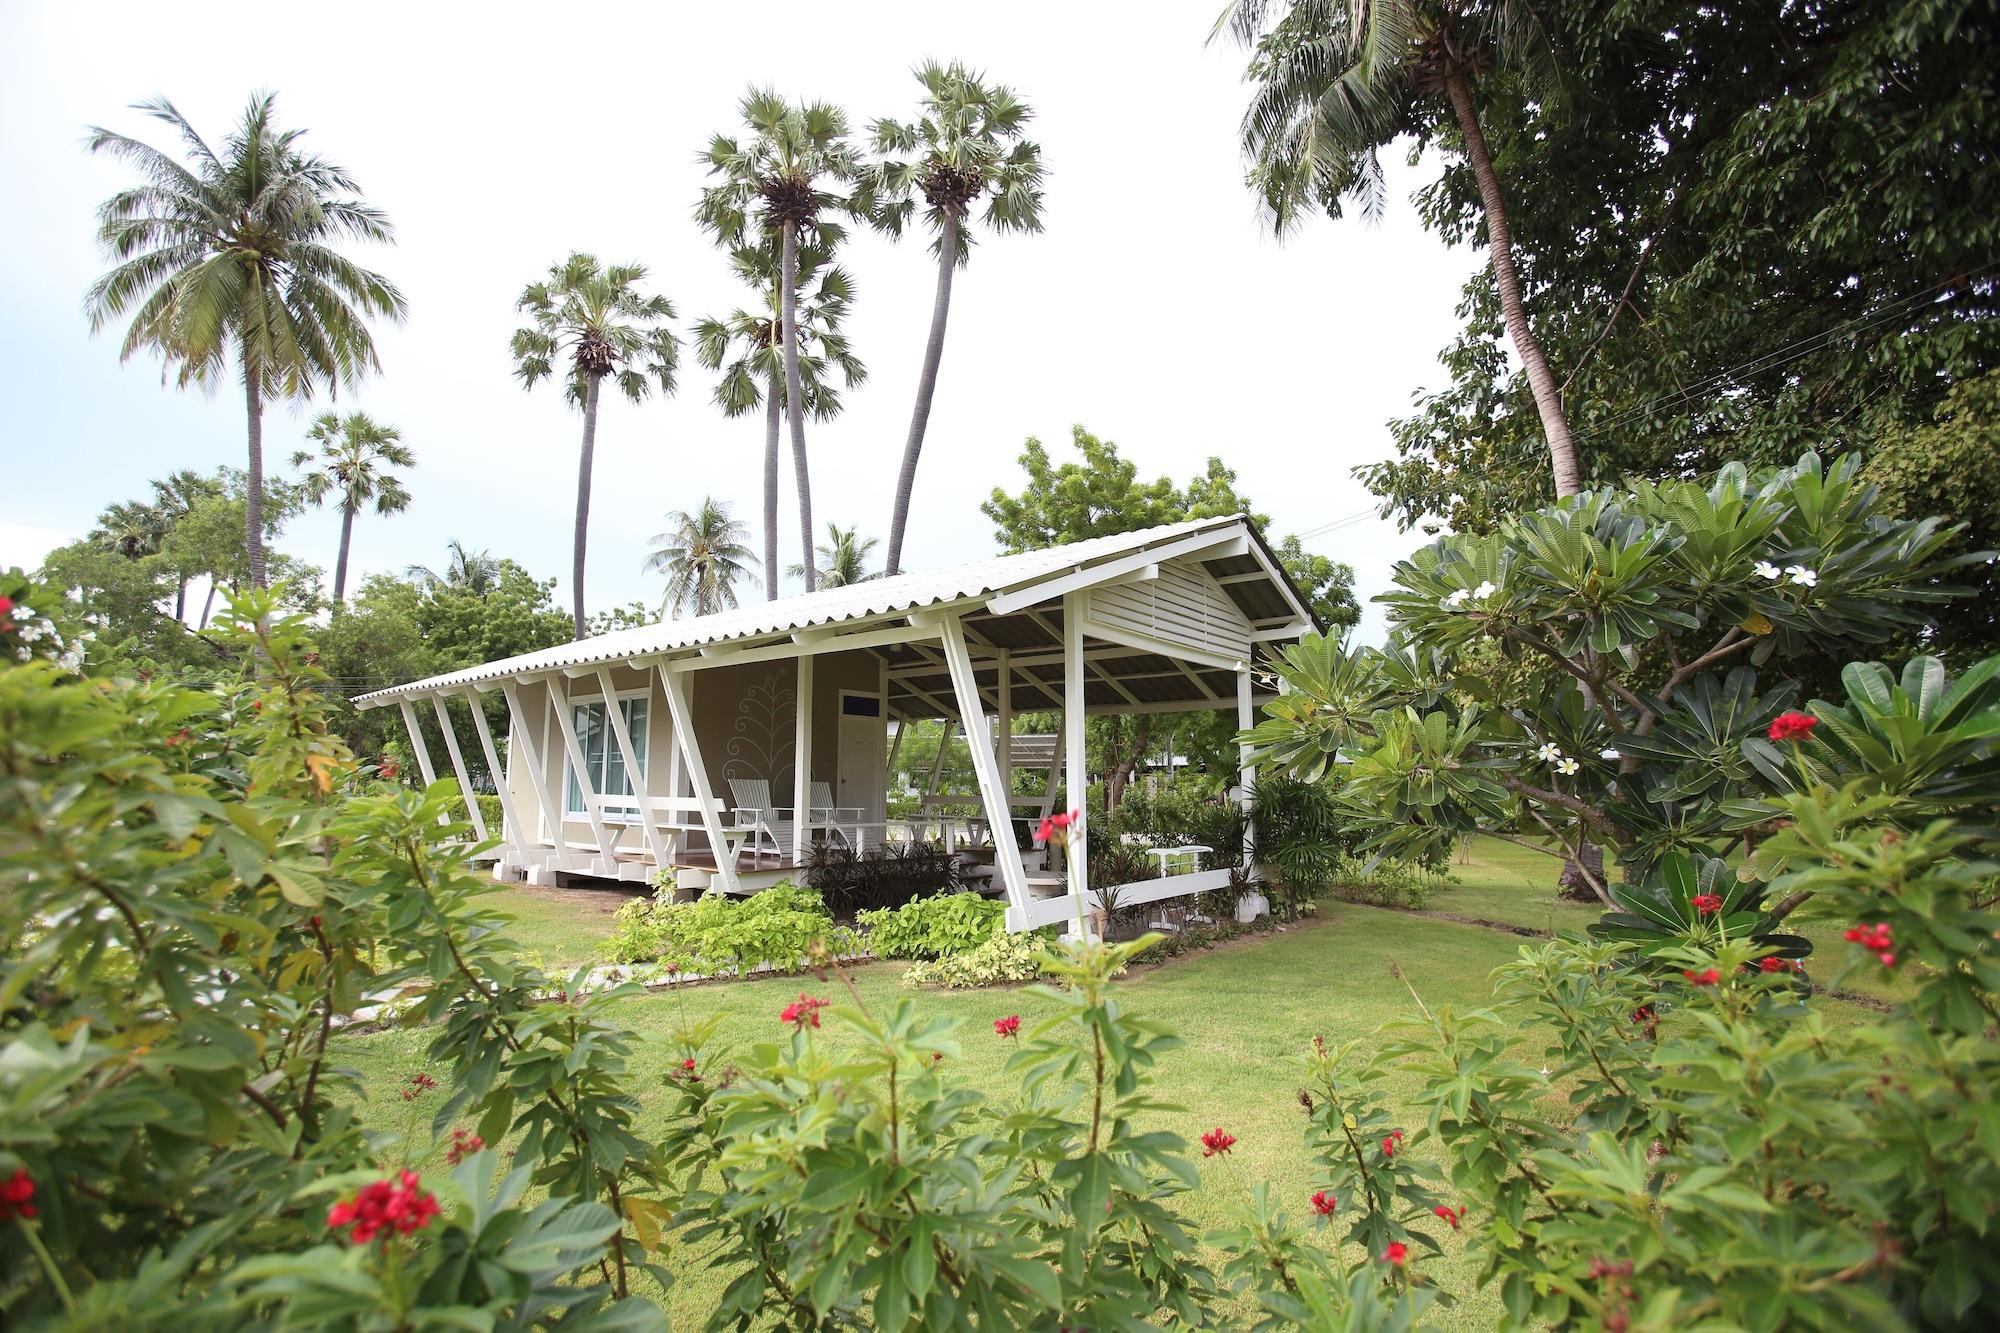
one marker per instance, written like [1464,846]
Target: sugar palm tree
[1336,80]
[843,559]
[753,376]
[780,173]
[226,263]
[597,316]
[702,554]
[965,146]
[354,453]
[131,528]
[175,496]
[467,570]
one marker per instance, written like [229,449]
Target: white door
[863,734]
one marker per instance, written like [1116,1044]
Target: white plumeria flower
[22,611]
[1457,599]
[71,661]
[1802,576]
[1549,753]
[29,633]
[1609,754]
[23,654]
[1484,591]
[1567,766]
[1767,570]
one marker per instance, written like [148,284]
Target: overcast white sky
[1153,309]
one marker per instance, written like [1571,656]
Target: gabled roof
[1257,584]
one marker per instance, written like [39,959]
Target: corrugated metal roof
[829,606]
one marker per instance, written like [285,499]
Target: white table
[1172,862]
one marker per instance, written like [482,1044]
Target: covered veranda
[726,747]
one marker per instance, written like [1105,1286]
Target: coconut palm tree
[226,262]
[476,572]
[965,146]
[843,559]
[609,329]
[1336,80]
[702,554]
[130,528]
[780,172]
[354,452]
[754,376]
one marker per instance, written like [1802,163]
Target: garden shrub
[785,928]
[1299,832]
[1386,881]
[934,927]
[880,877]
[1181,814]
[1004,959]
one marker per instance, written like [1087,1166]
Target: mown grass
[1246,1012]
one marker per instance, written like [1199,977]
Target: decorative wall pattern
[762,733]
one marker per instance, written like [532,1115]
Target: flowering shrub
[782,928]
[934,927]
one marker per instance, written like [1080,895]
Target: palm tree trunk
[920,418]
[208,603]
[795,397]
[340,561]
[582,540]
[1500,249]
[181,600]
[773,407]
[253,500]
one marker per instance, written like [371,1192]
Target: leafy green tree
[354,452]
[780,172]
[174,499]
[702,554]
[746,348]
[1336,81]
[965,146]
[1756,229]
[843,559]
[227,262]
[608,329]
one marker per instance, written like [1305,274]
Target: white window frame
[641,741]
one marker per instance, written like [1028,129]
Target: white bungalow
[726,726]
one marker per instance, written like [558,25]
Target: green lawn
[1245,1010]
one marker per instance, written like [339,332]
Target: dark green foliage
[853,881]
[1660,916]
[1301,834]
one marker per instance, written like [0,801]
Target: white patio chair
[768,823]
[832,818]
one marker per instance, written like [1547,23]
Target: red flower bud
[1324,1203]
[1792,727]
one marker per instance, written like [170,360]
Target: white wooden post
[510,817]
[417,745]
[895,744]
[675,685]
[567,723]
[521,737]
[1246,718]
[676,783]
[802,750]
[1006,852]
[458,767]
[1003,729]
[1075,765]
[635,772]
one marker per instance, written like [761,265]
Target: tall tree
[702,554]
[354,453]
[745,347]
[1335,81]
[131,528]
[473,572]
[965,146]
[227,262]
[609,329]
[175,497]
[843,557]
[781,171]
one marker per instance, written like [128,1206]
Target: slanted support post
[510,817]
[521,737]
[635,772]
[978,738]
[458,767]
[567,725]
[1075,763]
[1003,730]
[1246,718]
[802,760]
[417,744]
[676,687]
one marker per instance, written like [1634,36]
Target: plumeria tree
[1606,671]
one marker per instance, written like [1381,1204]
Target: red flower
[1776,964]
[1888,959]
[1708,904]
[1056,827]
[804,1013]
[1216,1141]
[1324,1203]
[464,1143]
[1450,1214]
[1877,939]
[1793,727]
[395,1206]
[1010,1026]
[389,769]
[15,1191]
[419,1085]
[6,606]
[1397,1253]
[688,1064]
[1707,978]
[1388,1147]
